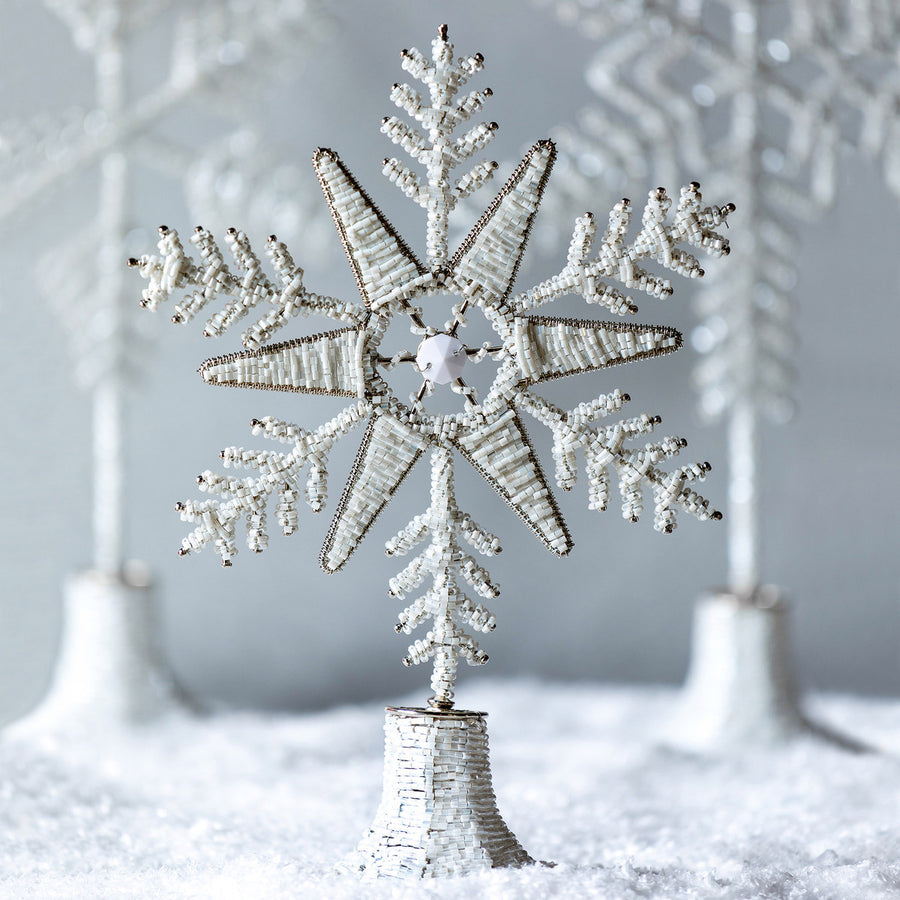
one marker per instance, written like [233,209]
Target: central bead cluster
[441,358]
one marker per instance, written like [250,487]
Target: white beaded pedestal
[438,814]
[110,669]
[740,688]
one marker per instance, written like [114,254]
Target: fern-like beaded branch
[617,260]
[279,475]
[444,602]
[605,448]
[439,152]
[244,288]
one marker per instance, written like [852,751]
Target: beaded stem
[444,602]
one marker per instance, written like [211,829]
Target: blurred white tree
[222,55]
[762,97]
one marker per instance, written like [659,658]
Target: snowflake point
[273,239]
[226,563]
[398,628]
[442,32]
[183,551]
[706,466]
[177,319]
[626,398]
[728,209]
[407,662]
[324,153]
[198,229]
[164,230]
[488,92]
[132,262]
[694,185]
[179,506]
[200,479]
[493,126]
[231,232]
[716,516]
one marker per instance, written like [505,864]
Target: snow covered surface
[263,806]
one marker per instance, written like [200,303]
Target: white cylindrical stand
[110,669]
[438,814]
[740,689]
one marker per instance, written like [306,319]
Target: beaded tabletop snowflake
[488,432]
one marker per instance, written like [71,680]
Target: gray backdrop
[274,631]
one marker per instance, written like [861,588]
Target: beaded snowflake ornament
[528,350]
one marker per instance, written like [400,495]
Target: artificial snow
[264,806]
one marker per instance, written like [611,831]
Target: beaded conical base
[438,814]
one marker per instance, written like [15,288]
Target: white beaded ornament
[488,431]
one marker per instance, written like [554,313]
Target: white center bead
[441,358]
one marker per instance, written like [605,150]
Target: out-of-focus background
[274,631]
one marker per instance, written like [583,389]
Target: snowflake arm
[502,454]
[244,288]
[438,151]
[550,348]
[605,447]
[330,363]
[617,260]
[444,602]
[279,473]
[388,452]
